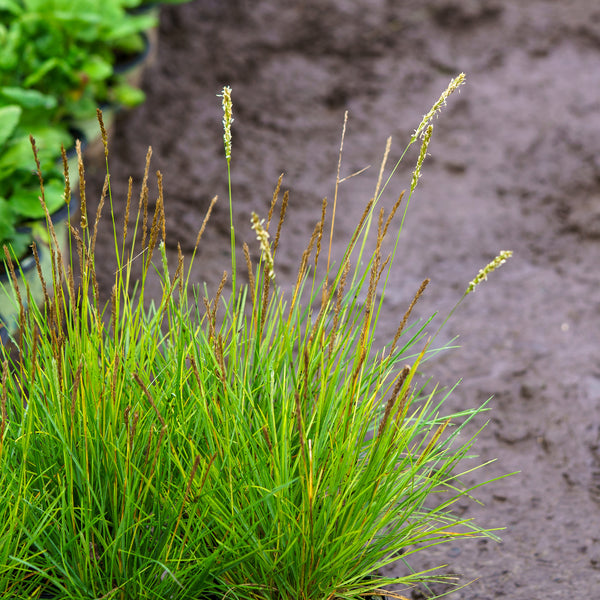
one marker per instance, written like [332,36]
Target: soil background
[514,163]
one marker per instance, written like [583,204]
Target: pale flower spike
[452,86]
[262,235]
[422,155]
[483,273]
[227,120]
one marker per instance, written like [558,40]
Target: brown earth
[514,164]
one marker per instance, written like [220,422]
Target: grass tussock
[251,444]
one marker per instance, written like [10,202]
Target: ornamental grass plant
[244,444]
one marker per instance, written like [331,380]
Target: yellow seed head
[227,120]
[422,155]
[262,235]
[483,273]
[452,86]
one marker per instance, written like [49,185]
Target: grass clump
[251,445]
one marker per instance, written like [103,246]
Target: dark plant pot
[151,9]
[131,68]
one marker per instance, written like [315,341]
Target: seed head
[483,273]
[263,237]
[452,86]
[227,120]
[422,155]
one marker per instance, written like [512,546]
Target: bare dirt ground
[514,164]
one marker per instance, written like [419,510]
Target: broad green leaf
[131,25]
[49,140]
[26,202]
[19,154]
[97,68]
[9,56]
[29,98]
[85,6]
[90,17]
[48,66]
[7,227]
[11,6]
[54,193]
[127,95]
[9,119]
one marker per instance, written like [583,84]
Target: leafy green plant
[57,65]
[67,51]
[19,183]
[251,444]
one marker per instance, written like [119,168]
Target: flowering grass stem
[227,122]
